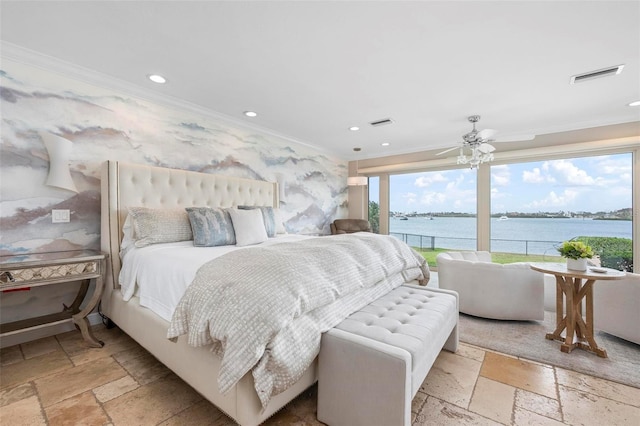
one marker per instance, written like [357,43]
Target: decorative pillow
[153,226]
[249,226]
[268,216]
[280,229]
[211,227]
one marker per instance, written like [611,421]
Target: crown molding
[48,63]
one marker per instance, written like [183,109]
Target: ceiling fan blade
[486,134]
[448,150]
[486,148]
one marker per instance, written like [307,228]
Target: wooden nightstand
[40,269]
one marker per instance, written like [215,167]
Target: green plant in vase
[576,253]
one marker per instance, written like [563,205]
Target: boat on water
[503,218]
[403,218]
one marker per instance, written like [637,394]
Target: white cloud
[620,192]
[535,176]
[410,197]
[431,199]
[496,194]
[625,178]
[454,195]
[501,175]
[426,180]
[453,185]
[610,166]
[569,174]
[564,199]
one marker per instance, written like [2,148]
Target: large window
[520,206]
[434,211]
[536,205]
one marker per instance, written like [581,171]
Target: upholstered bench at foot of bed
[372,364]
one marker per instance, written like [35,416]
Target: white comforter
[264,309]
[159,274]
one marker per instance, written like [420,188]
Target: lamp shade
[59,150]
[357,181]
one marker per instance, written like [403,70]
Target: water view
[514,235]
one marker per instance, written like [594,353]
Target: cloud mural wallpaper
[104,124]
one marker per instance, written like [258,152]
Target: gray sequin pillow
[211,227]
[154,226]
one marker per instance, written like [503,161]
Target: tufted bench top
[372,364]
[407,317]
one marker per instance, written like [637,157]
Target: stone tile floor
[60,381]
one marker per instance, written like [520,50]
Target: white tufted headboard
[130,185]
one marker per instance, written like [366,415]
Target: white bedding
[159,274]
[264,308]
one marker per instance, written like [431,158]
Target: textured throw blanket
[264,308]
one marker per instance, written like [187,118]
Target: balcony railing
[428,242]
[504,248]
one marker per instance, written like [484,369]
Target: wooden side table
[571,288]
[40,269]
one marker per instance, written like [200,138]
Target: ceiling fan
[477,141]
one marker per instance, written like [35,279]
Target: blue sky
[591,184]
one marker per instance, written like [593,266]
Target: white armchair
[616,307]
[511,291]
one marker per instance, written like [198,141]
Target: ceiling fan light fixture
[476,141]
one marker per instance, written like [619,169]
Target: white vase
[577,264]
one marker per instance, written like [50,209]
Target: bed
[129,185]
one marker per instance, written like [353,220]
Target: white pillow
[128,239]
[249,226]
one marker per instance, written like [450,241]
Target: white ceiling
[313,69]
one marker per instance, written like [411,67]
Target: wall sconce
[59,150]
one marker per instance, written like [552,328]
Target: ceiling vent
[578,78]
[382,122]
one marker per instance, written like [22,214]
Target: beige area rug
[526,339]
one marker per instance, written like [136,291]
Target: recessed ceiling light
[251,113]
[157,78]
[635,103]
[354,128]
[385,144]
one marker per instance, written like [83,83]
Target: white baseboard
[46,330]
